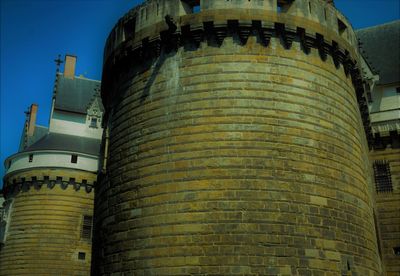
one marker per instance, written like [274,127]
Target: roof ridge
[396,21]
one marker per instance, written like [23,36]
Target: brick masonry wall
[388,211]
[44,232]
[236,160]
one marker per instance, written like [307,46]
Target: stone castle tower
[48,184]
[235,143]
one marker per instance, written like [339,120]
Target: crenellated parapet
[148,19]
[142,34]
[23,181]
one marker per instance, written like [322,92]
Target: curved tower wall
[45,216]
[236,144]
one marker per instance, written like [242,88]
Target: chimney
[69,68]
[32,119]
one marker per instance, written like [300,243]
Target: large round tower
[235,142]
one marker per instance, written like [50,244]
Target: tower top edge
[151,13]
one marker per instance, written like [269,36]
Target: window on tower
[74,158]
[383,179]
[93,122]
[130,28]
[341,26]
[283,5]
[191,6]
[87,227]
[81,255]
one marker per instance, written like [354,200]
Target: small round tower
[48,185]
[236,142]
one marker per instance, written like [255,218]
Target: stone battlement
[23,181]
[144,31]
[147,20]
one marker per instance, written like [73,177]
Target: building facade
[48,185]
[380,46]
[236,143]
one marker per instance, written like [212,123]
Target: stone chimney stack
[32,119]
[69,68]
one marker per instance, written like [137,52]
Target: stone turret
[48,185]
[236,142]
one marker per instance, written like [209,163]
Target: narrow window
[398,90]
[309,7]
[325,14]
[283,5]
[383,179]
[342,27]
[30,158]
[93,122]
[74,158]
[87,227]
[81,255]
[191,6]
[130,28]
[396,250]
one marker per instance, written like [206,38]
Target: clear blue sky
[34,32]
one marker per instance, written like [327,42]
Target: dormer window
[93,122]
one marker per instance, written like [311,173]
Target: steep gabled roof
[381,45]
[75,95]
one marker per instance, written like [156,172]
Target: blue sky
[34,32]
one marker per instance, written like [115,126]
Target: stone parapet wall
[144,18]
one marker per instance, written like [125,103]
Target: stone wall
[236,147]
[44,231]
[388,211]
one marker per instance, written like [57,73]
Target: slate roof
[381,45]
[39,132]
[58,141]
[76,94]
